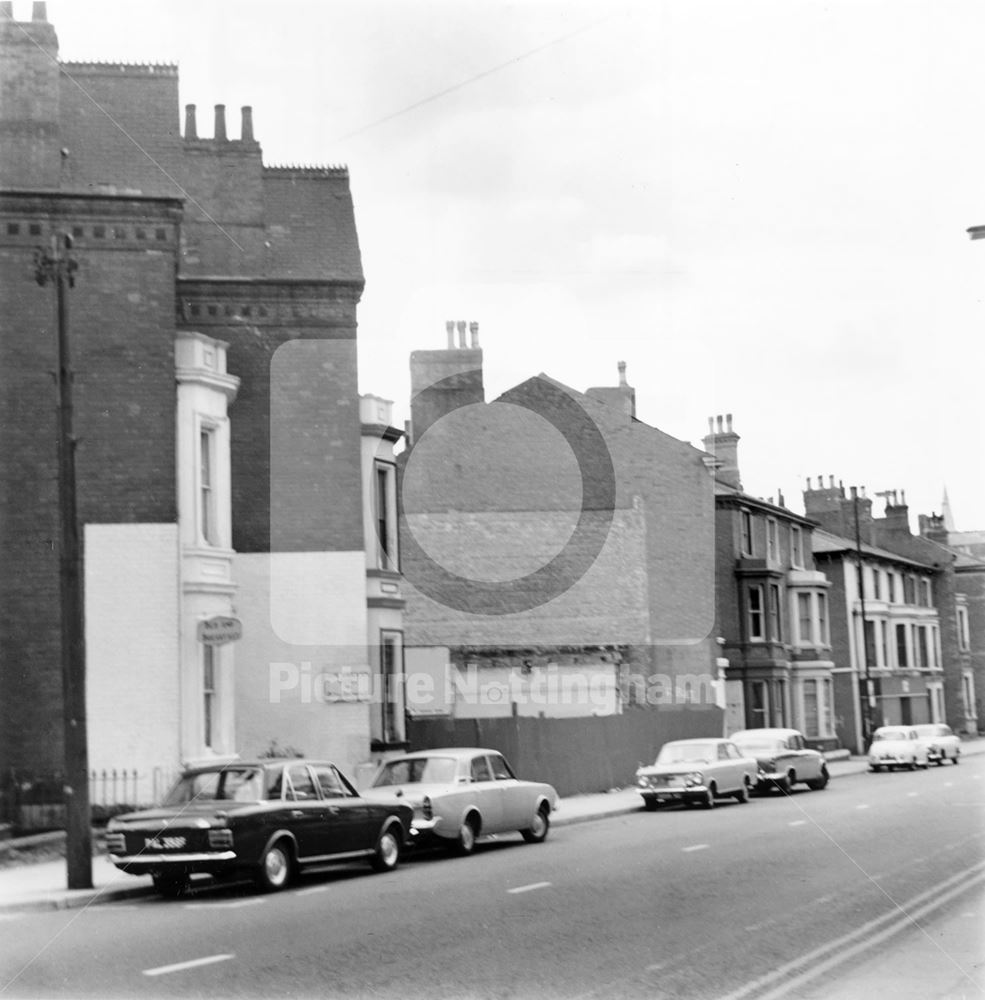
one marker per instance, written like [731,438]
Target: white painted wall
[132,649]
[304,623]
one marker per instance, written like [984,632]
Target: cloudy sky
[760,207]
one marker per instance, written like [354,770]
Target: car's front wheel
[386,857]
[651,804]
[275,867]
[708,801]
[538,828]
[467,834]
[742,795]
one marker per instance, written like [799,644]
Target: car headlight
[642,780]
[694,778]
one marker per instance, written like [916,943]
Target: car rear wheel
[467,833]
[538,828]
[171,886]
[275,867]
[742,795]
[954,759]
[386,857]
[821,781]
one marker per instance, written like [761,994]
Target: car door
[486,793]
[304,810]
[806,765]
[728,770]
[350,822]
[517,796]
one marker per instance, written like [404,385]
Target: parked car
[783,758]
[262,819]
[697,771]
[896,746]
[460,794]
[940,741]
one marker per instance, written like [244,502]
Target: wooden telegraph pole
[57,266]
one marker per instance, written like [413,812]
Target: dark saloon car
[262,820]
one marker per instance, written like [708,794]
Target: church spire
[946,512]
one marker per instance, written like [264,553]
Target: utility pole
[58,267]
[866,698]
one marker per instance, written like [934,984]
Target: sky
[760,207]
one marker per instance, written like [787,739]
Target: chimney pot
[728,422]
[622,373]
[450,330]
[711,425]
[461,333]
[831,482]
[902,495]
[220,122]
[808,482]
[474,334]
[246,130]
[191,125]
[718,420]
[40,11]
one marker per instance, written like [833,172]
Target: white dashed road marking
[530,888]
[799,822]
[912,795]
[695,847]
[862,806]
[163,970]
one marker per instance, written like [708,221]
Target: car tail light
[221,839]
[426,808]
[116,843]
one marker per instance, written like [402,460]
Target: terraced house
[772,604]
[220,454]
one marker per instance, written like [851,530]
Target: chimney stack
[191,125]
[461,333]
[246,131]
[6,10]
[474,335]
[723,443]
[220,122]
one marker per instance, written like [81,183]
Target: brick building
[968,548]
[557,556]
[772,606]
[219,458]
[907,609]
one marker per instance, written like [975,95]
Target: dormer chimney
[246,130]
[220,122]
[191,125]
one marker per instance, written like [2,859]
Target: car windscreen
[232,784]
[417,770]
[689,753]
[891,734]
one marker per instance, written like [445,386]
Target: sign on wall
[218,630]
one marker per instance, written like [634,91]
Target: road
[781,897]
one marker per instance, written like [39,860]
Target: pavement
[41,885]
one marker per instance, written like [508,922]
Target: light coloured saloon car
[941,743]
[698,771]
[459,794]
[783,757]
[897,746]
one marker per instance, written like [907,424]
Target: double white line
[828,956]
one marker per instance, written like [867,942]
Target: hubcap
[389,850]
[275,866]
[539,824]
[467,836]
